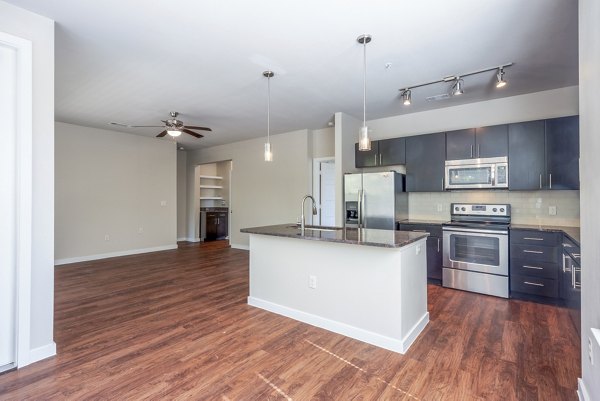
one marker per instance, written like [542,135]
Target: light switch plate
[552,210]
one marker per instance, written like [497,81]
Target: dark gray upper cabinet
[526,148]
[491,141]
[460,144]
[392,152]
[368,158]
[425,160]
[386,152]
[475,143]
[562,153]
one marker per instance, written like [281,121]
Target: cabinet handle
[438,244]
[375,158]
[576,255]
[574,278]
[550,180]
[528,251]
[380,163]
[471,151]
[478,151]
[420,231]
[533,239]
[533,267]
[540,180]
[567,245]
[536,284]
[443,188]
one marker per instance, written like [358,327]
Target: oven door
[482,251]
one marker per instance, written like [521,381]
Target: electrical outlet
[163,203]
[440,207]
[107,237]
[312,282]
[552,210]
[591,351]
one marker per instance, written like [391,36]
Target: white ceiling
[133,61]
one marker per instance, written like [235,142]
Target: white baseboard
[392,344]
[43,352]
[76,259]
[582,391]
[240,246]
[182,239]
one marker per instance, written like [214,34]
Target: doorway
[324,190]
[213,211]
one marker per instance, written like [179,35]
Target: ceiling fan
[172,126]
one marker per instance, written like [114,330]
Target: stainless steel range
[476,248]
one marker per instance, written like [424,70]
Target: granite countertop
[362,236]
[572,232]
[415,221]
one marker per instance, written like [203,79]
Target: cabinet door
[368,158]
[392,151]
[526,144]
[460,144]
[562,153]
[425,156]
[211,226]
[491,141]
[434,258]
[222,225]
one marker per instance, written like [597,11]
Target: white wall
[111,183]
[323,142]
[589,84]
[181,195]
[40,31]
[262,193]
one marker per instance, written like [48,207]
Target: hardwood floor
[175,325]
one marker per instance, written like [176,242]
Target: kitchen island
[366,284]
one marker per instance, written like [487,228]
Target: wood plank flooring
[175,325]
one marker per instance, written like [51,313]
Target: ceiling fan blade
[200,128]
[162,134]
[146,126]
[119,124]
[192,133]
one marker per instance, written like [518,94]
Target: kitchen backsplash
[527,207]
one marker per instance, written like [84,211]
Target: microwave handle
[494,176]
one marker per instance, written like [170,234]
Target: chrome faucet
[314,210]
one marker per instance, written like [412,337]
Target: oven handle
[474,231]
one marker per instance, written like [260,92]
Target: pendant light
[268,151]
[364,143]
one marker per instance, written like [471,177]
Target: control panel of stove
[475,209]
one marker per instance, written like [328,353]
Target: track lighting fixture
[457,88]
[364,142]
[500,82]
[406,97]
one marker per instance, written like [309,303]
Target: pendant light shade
[268,151]
[364,142]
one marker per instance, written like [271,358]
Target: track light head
[458,89]
[500,82]
[406,97]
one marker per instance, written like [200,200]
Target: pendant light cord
[365,82]
[268,109]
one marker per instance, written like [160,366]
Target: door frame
[24,194]
[316,185]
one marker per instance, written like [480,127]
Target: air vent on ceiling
[443,96]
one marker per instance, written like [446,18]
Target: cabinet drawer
[535,253]
[535,269]
[532,237]
[534,286]
[432,229]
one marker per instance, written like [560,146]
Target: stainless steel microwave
[477,173]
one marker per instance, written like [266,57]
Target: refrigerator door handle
[362,205]
[359,208]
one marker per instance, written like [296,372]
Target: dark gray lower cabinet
[216,225]
[526,144]
[570,281]
[535,262]
[434,247]
[425,162]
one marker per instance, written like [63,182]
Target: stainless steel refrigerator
[375,200]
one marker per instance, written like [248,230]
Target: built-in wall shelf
[210,177]
[211,186]
[211,198]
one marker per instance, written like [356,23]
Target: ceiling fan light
[173,132]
